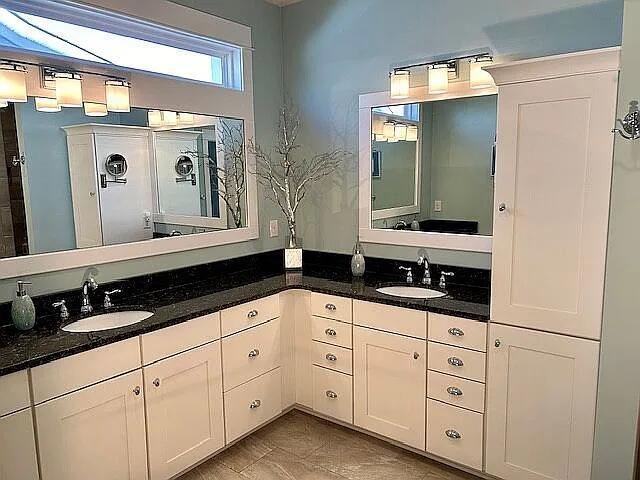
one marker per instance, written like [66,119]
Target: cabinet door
[18,453]
[184,410]
[96,432]
[553,176]
[389,379]
[540,405]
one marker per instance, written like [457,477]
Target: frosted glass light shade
[438,80]
[377,125]
[68,90]
[392,140]
[412,133]
[13,83]
[95,109]
[399,83]
[479,78]
[169,118]
[401,131]
[185,118]
[155,118]
[379,137]
[3,103]
[117,93]
[47,105]
[389,129]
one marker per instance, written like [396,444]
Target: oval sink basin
[411,292]
[107,321]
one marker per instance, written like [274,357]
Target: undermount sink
[107,321]
[411,292]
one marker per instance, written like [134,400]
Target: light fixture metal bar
[445,58]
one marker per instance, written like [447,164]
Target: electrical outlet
[437,205]
[273,228]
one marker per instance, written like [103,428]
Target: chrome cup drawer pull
[331,357]
[252,314]
[331,307]
[456,332]
[331,332]
[137,391]
[331,394]
[254,353]
[453,434]
[255,404]
[455,362]
[156,382]
[455,391]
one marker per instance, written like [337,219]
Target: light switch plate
[273,228]
[437,205]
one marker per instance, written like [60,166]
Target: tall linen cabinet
[553,180]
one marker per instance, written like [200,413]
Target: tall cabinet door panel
[184,410]
[552,203]
[18,452]
[97,432]
[540,405]
[389,385]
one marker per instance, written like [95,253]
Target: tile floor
[299,446]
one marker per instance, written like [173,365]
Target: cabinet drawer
[332,357]
[329,306]
[457,361]
[179,338]
[333,394]
[84,369]
[252,404]
[455,391]
[15,392]
[390,319]
[249,314]
[460,332]
[251,353]
[331,331]
[455,434]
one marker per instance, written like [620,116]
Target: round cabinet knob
[252,314]
[137,391]
[332,394]
[502,207]
[331,332]
[331,307]
[455,362]
[497,342]
[254,353]
[452,434]
[331,357]
[455,391]
[156,382]
[255,404]
[456,332]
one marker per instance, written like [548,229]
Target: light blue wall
[337,49]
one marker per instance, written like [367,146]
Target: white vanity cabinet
[540,405]
[18,459]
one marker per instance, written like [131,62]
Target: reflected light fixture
[479,78]
[412,133]
[389,129]
[48,105]
[380,137]
[392,140]
[377,125]
[117,93]
[3,103]
[438,79]
[401,131]
[68,89]
[155,118]
[185,118]
[92,109]
[399,83]
[169,118]
[13,82]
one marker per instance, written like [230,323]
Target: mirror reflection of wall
[93,181]
[439,176]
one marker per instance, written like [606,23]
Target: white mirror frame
[367,234]
[156,92]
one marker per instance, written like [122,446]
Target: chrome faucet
[409,273]
[88,285]
[423,259]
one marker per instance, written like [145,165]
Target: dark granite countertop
[47,342]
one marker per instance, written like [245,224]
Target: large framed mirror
[427,165]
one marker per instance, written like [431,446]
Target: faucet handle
[409,273]
[62,305]
[107,297]
[443,278]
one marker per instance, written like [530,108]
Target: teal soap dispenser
[23,311]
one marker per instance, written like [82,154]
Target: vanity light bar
[13,82]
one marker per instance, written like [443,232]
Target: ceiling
[283,3]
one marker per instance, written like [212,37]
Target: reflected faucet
[89,284]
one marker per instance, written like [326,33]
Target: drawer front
[456,391]
[78,371]
[332,357]
[331,331]
[459,332]
[333,394]
[15,392]
[329,306]
[179,338]
[251,353]
[252,404]
[455,434]
[390,319]
[457,361]
[249,314]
